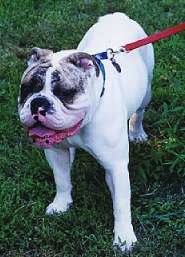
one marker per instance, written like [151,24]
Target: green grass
[157,169]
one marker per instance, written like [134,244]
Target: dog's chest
[73,141]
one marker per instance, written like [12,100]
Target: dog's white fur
[105,131]
[106,136]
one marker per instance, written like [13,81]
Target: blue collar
[101,56]
[98,58]
[104,56]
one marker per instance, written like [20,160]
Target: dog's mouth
[46,137]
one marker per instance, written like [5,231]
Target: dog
[67,100]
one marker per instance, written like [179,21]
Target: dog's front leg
[60,162]
[115,162]
[124,235]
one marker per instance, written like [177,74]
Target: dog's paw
[125,241]
[138,136]
[58,208]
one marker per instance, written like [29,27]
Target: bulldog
[67,100]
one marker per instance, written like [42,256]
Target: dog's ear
[37,54]
[82,60]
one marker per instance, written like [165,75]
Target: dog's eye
[65,95]
[69,94]
[25,91]
[36,84]
[57,91]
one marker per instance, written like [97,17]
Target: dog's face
[56,94]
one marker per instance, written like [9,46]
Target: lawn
[157,168]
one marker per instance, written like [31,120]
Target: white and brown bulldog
[67,101]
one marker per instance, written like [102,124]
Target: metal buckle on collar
[111,56]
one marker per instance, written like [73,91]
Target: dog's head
[57,93]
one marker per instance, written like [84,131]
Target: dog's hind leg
[136,131]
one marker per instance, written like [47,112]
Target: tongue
[41,131]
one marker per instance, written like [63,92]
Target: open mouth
[45,137]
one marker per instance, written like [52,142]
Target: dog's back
[116,30]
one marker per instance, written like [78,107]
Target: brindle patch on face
[69,80]
[67,83]
[33,82]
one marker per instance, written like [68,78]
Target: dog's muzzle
[39,106]
[45,137]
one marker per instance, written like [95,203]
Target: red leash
[155,37]
[110,53]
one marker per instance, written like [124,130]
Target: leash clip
[111,56]
[123,49]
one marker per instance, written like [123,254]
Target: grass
[157,169]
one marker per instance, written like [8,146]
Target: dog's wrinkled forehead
[67,75]
[36,71]
[39,60]
[71,68]
[64,73]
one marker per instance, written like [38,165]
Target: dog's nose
[40,105]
